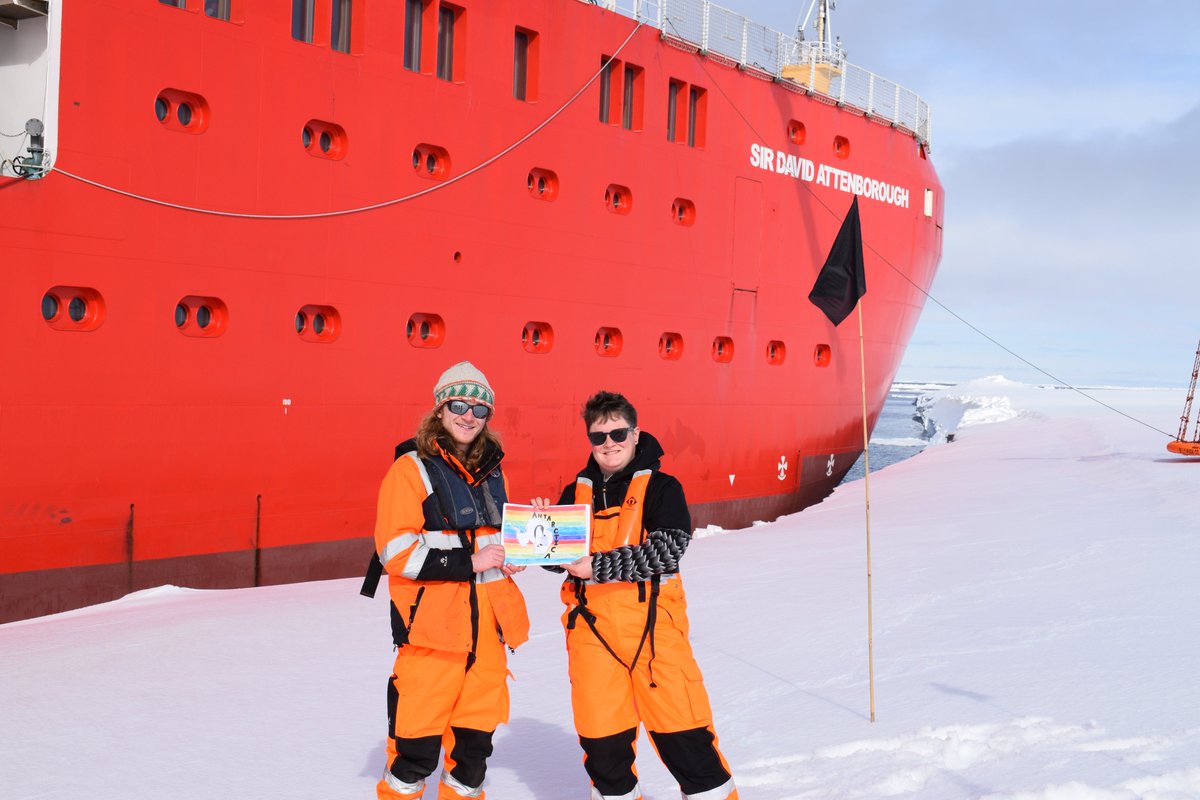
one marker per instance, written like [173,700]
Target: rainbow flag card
[552,535]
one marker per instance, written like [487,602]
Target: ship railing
[812,67]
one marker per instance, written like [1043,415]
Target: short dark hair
[605,405]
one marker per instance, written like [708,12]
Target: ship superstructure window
[525,65]
[449,46]
[697,108]
[608,98]
[302,20]
[217,9]
[631,99]
[73,308]
[413,10]
[675,95]
[339,32]
[173,3]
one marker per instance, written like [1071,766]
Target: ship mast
[1187,406]
[828,48]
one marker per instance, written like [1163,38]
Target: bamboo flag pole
[862,360]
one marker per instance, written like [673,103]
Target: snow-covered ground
[1035,630]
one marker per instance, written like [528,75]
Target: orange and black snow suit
[448,690]
[627,636]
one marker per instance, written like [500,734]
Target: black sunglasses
[460,407]
[618,435]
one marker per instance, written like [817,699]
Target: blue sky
[1067,136]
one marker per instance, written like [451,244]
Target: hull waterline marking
[800,168]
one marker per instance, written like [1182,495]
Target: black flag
[842,281]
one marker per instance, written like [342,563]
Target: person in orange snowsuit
[454,605]
[626,623]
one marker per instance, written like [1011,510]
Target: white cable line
[374,206]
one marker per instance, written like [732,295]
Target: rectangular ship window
[697,105]
[449,44]
[631,107]
[412,34]
[674,91]
[174,3]
[339,33]
[217,9]
[525,65]
[302,20]
[608,98]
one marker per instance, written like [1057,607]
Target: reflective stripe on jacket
[429,571]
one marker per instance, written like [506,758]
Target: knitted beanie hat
[463,382]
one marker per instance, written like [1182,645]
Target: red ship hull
[137,454]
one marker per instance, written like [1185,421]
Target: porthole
[795,132]
[323,139]
[822,355]
[73,308]
[542,184]
[618,199]
[722,349]
[431,161]
[608,342]
[191,111]
[776,352]
[203,317]
[683,211]
[49,307]
[841,147]
[670,346]
[425,330]
[537,337]
[320,324]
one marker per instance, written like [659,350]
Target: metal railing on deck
[712,29]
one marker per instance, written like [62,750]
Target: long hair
[431,433]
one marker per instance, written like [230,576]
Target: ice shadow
[544,758]
[954,690]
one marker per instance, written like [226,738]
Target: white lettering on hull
[802,169]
